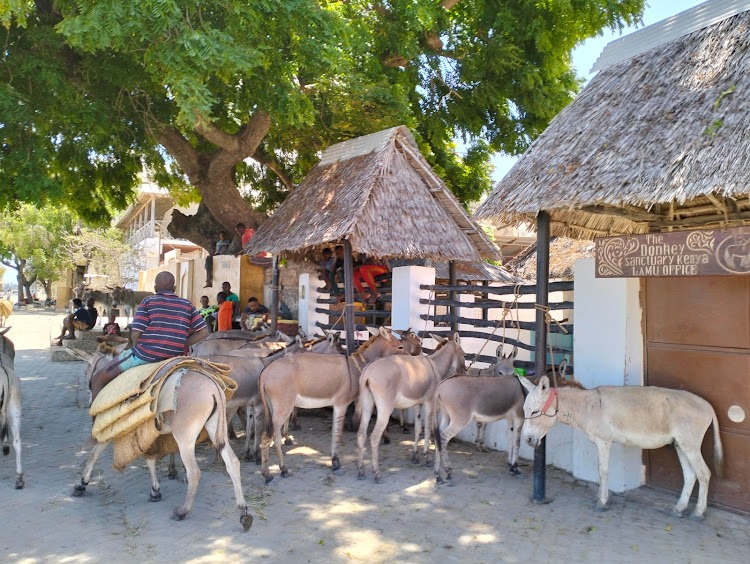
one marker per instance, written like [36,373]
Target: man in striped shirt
[163,327]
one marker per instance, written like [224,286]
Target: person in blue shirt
[222,248]
[80,319]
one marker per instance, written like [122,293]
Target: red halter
[552,396]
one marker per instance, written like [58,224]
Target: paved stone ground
[314,516]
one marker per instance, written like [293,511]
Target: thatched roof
[468,271]
[657,141]
[563,253]
[379,192]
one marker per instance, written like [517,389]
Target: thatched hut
[378,192]
[655,142]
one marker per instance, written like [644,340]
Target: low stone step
[59,354]
[97,332]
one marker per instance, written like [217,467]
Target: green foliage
[100,250]
[36,236]
[88,86]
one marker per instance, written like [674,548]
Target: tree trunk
[20,265]
[27,282]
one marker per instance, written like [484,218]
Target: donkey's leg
[365,397]
[481,429]
[248,413]
[453,428]
[187,453]
[417,432]
[700,468]
[172,468]
[295,425]
[427,410]
[688,483]
[96,451]
[339,413]
[257,412]
[155,494]
[381,423]
[514,443]
[14,414]
[287,439]
[265,455]
[232,463]
[402,421]
[231,411]
[603,448]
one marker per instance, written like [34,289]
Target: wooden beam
[700,221]
[631,213]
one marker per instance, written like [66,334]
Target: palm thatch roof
[380,193]
[563,253]
[655,142]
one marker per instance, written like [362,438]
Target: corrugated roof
[362,145]
[693,19]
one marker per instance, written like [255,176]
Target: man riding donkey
[163,327]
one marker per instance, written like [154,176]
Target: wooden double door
[698,339]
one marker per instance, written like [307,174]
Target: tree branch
[183,152]
[267,160]
[448,4]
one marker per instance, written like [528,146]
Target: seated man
[254,316]
[207,312]
[79,319]
[222,248]
[367,273]
[327,264]
[92,312]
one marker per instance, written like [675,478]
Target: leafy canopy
[87,87]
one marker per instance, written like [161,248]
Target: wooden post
[349,296]
[540,357]
[275,294]
[485,296]
[452,294]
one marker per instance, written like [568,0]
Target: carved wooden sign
[679,253]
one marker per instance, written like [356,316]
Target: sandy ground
[315,516]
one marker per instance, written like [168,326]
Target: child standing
[225,312]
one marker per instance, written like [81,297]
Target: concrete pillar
[608,351]
[406,308]
[308,301]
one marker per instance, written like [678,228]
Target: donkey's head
[458,357]
[539,410]
[381,344]
[108,349]
[6,345]
[412,343]
[504,364]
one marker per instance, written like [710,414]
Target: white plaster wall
[308,301]
[608,345]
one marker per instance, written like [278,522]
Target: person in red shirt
[225,312]
[246,235]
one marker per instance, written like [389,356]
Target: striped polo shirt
[165,322]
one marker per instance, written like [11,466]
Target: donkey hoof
[386,440]
[335,463]
[697,518]
[676,514]
[377,478]
[361,475]
[285,473]
[601,508]
[270,481]
[248,457]
[414,459]
[172,475]
[79,490]
[19,483]
[155,495]
[6,450]
[288,441]
[179,514]
[246,521]
[439,482]
[405,430]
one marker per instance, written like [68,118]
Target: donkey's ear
[384,333]
[298,340]
[437,339]
[4,330]
[544,383]
[83,355]
[562,367]
[457,338]
[302,335]
[526,383]
[331,338]
[121,347]
[372,331]
[499,352]
[412,335]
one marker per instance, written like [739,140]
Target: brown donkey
[400,382]
[199,404]
[312,381]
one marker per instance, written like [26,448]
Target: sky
[583,57]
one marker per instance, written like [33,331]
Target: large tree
[31,242]
[232,101]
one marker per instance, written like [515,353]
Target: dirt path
[314,516]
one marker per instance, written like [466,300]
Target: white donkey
[10,403]
[645,417]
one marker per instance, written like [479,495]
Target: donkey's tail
[4,401]
[267,407]
[220,406]
[364,394]
[718,450]
[434,422]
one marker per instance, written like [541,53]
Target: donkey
[311,381]
[402,382]
[644,417]
[246,371]
[503,366]
[10,403]
[199,404]
[129,300]
[259,345]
